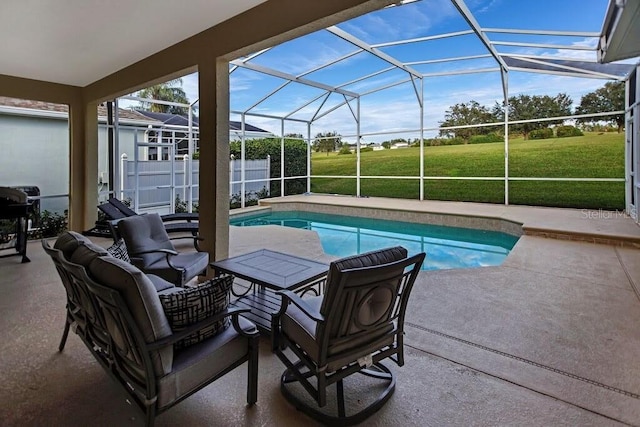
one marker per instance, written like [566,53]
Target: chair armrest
[168,253]
[195,239]
[183,216]
[173,338]
[289,296]
[151,251]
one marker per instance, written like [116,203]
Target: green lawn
[589,156]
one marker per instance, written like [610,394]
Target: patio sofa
[134,325]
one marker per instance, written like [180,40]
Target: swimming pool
[446,247]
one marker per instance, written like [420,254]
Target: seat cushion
[143,302]
[198,364]
[160,284]
[300,328]
[191,263]
[192,305]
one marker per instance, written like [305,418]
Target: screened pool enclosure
[370,86]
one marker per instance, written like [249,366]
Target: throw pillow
[192,305]
[119,250]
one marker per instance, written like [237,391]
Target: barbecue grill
[15,206]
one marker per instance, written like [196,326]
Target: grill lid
[13,194]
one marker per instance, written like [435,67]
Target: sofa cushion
[68,242]
[87,252]
[192,305]
[197,364]
[161,284]
[141,298]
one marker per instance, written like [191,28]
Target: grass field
[589,156]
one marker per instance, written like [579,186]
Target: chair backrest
[118,204]
[365,300]
[130,359]
[73,249]
[111,211]
[144,233]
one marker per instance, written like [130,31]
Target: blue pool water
[446,247]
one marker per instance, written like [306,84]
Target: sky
[397,108]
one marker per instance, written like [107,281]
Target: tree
[386,144]
[327,141]
[294,135]
[525,107]
[168,91]
[471,113]
[610,97]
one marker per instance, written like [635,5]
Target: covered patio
[548,338]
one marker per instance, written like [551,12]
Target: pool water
[446,247]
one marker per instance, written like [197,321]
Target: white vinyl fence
[156,181]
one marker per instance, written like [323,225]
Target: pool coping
[451,220]
[556,223]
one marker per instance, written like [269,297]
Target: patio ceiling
[570,52]
[78,43]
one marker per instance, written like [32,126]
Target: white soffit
[621,31]
[77,42]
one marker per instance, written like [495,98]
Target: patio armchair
[150,249]
[352,328]
[139,335]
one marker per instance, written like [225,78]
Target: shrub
[541,133]
[345,150]
[366,149]
[484,139]
[52,224]
[295,160]
[565,131]
[453,141]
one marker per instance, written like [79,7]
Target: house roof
[179,120]
[64,109]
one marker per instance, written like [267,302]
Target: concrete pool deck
[551,337]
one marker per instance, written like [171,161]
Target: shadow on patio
[548,338]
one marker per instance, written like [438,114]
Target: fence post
[123,173]
[185,167]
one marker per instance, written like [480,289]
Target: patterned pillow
[119,250]
[191,305]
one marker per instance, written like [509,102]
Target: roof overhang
[620,37]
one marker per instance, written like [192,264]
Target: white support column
[421,101]
[358,190]
[282,186]
[188,179]
[116,140]
[308,157]
[172,159]
[136,177]
[505,89]
[123,171]
[243,160]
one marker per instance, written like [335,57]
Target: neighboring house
[177,126]
[34,139]
[400,145]
[35,149]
